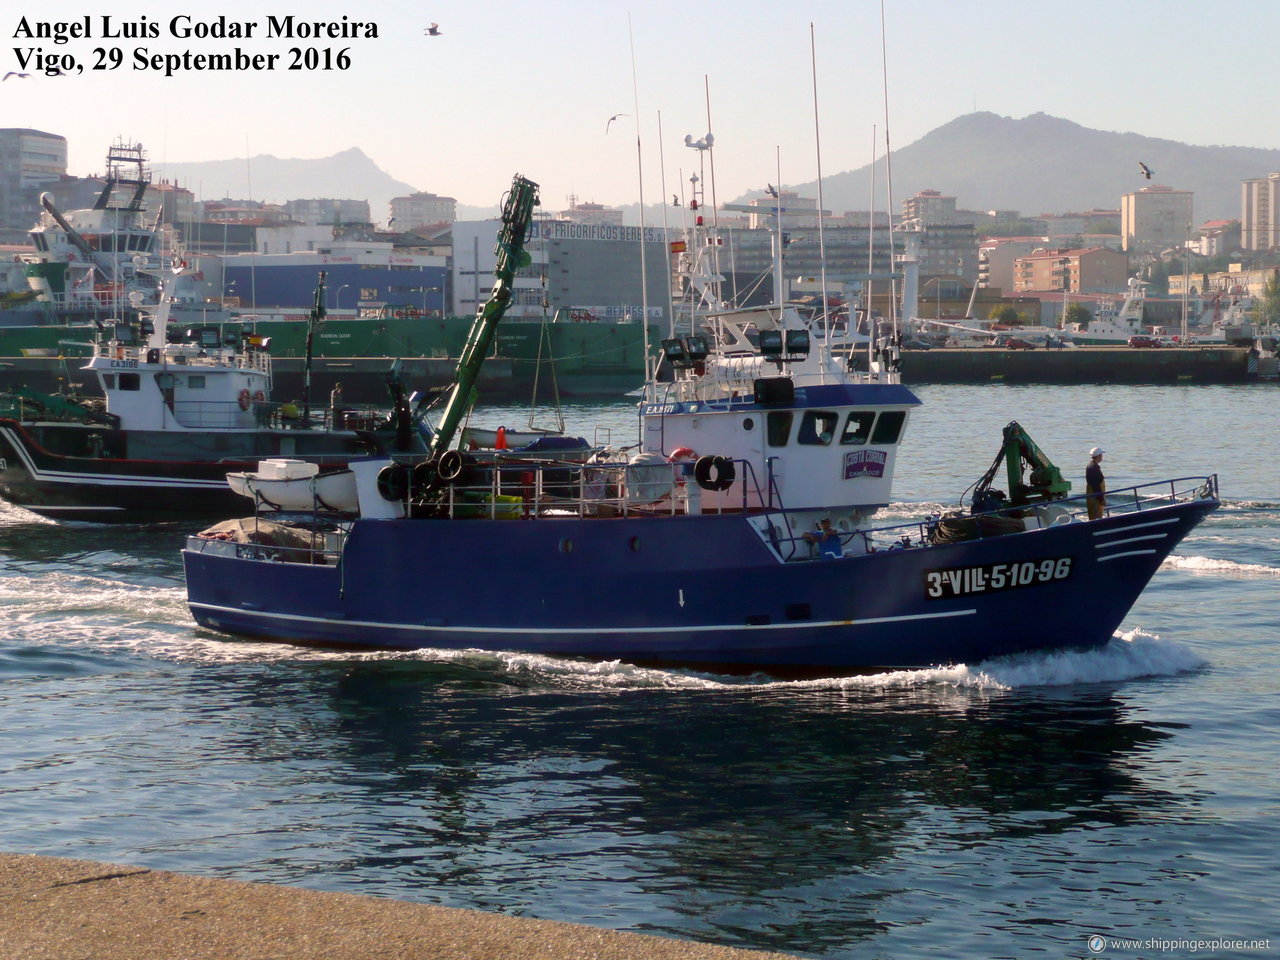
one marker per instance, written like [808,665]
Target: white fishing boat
[1112,325]
[182,410]
[104,261]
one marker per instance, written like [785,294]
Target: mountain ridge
[1034,164]
[349,174]
[1045,164]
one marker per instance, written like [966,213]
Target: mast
[650,363]
[517,213]
[780,293]
[315,318]
[817,137]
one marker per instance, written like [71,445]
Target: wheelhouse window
[130,381]
[818,427]
[778,427]
[195,382]
[889,427]
[857,428]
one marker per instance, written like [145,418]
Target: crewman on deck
[335,405]
[1095,484]
[827,539]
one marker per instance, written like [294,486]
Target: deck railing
[229,414]
[526,488]
[993,523]
[515,490]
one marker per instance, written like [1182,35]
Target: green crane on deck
[1045,481]
[517,214]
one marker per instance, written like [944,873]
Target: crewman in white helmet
[1095,484]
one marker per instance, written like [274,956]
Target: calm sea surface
[1000,809]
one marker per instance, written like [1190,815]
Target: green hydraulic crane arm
[1044,482]
[517,213]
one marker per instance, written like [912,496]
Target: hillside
[1036,164]
[349,175]
[1044,164]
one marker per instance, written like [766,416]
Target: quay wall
[1078,365]
[364,378]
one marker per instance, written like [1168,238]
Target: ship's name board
[865,463]
[944,583]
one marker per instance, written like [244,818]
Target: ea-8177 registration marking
[992,577]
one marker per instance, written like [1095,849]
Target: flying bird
[769,189]
[1146,171]
[433,31]
[613,118]
[15,73]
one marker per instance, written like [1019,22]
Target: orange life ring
[244,399]
[681,455]
[259,397]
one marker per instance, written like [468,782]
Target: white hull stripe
[1131,553]
[1120,543]
[1128,528]
[582,631]
[103,479]
[44,508]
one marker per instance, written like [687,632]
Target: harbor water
[1011,808]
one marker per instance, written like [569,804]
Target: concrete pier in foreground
[56,909]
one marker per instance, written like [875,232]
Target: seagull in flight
[15,73]
[1146,171]
[613,118]
[770,190]
[433,31]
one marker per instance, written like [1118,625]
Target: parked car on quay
[1139,340]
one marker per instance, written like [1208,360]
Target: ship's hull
[86,472]
[699,589]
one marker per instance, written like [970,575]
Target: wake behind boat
[741,534]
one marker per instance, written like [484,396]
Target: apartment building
[29,160]
[997,256]
[421,210]
[1092,270]
[1155,218]
[1260,212]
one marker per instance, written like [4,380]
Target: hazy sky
[529,87]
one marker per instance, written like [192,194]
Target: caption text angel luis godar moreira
[115,55]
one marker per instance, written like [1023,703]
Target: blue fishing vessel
[741,532]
